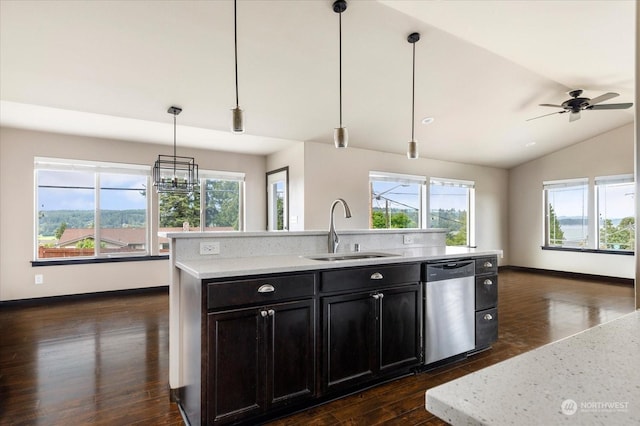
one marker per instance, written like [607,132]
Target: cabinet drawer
[369,277]
[487,265]
[486,328]
[486,292]
[259,290]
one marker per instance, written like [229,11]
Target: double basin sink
[335,257]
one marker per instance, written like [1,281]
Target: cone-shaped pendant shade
[341,137]
[237,120]
[412,150]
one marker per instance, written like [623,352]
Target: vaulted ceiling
[112,68]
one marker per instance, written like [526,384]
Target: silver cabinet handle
[488,317]
[488,282]
[488,264]
[376,296]
[266,288]
[263,313]
[381,295]
[377,276]
[271,312]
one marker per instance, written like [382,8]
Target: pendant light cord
[174,144]
[340,44]
[235,42]
[413,93]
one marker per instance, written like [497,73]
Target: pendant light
[174,173]
[340,134]
[412,149]
[237,117]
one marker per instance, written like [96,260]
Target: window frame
[96,168]
[205,175]
[470,204]
[559,184]
[602,181]
[400,179]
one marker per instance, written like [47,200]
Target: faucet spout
[334,240]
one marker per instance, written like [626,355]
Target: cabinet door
[486,292]
[349,351]
[400,316]
[236,365]
[291,352]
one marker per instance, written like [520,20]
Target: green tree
[378,220]
[177,208]
[458,235]
[621,237]
[223,204]
[88,243]
[556,236]
[401,220]
[60,230]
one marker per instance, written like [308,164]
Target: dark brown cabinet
[371,334]
[486,301]
[259,358]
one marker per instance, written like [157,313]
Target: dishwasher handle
[450,270]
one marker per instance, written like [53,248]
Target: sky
[75,191]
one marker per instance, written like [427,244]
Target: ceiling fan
[578,103]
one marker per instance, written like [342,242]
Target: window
[277,199]
[616,212]
[451,206]
[90,209]
[223,208]
[566,213]
[397,201]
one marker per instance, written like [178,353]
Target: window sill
[84,261]
[587,250]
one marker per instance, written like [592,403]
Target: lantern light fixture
[173,173]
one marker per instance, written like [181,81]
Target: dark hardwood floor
[104,360]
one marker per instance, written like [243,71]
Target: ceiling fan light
[237,120]
[341,137]
[412,150]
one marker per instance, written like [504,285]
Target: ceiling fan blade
[603,98]
[612,106]
[574,116]
[552,105]
[540,116]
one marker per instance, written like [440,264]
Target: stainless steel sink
[348,256]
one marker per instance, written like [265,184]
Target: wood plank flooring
[104,360]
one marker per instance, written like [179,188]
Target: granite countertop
[235,267]
[590,378]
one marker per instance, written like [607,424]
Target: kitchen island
[590,378]
[272,323]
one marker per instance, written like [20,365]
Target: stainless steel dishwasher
[449,309]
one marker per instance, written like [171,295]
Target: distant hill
[50,220]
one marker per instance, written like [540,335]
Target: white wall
[332,173]
[608,154]
[17,151]
[292,157]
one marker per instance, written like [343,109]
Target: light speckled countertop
[591,378]
[236,267]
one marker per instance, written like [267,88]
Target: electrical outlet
[407,239]
[39,279]
[210,248]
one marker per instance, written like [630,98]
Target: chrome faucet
[334,240]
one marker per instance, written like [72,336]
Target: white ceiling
[112,68]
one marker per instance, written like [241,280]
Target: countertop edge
[259,265]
